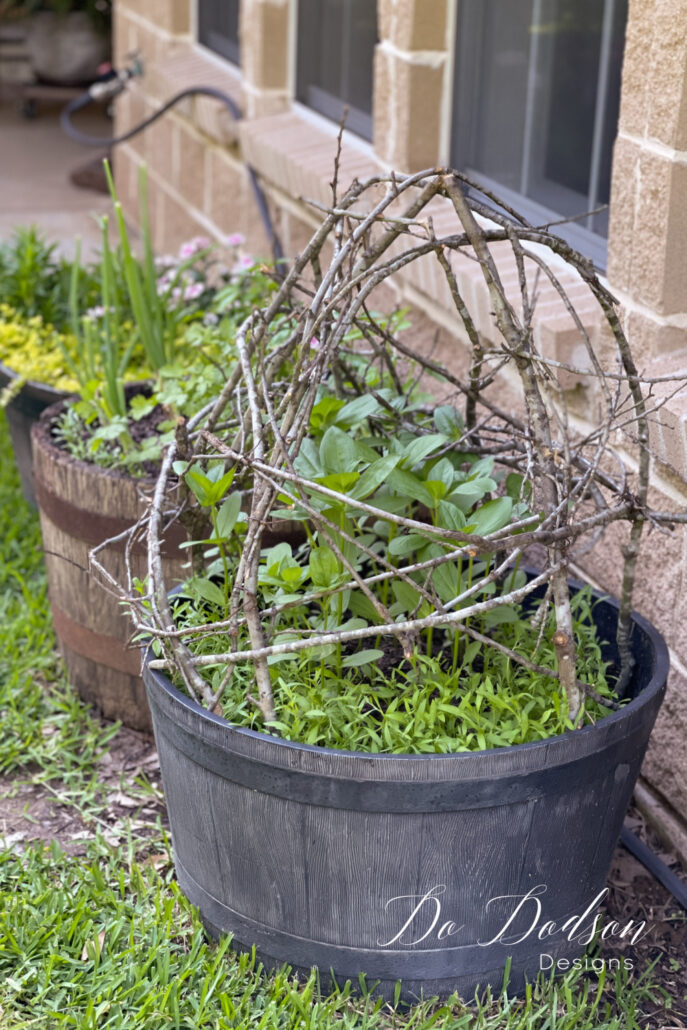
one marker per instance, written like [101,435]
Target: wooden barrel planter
[22,411]
[80,506]
[403,867]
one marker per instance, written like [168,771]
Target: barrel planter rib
[402,867]
[22,411]
[82,505]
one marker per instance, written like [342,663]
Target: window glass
[536,105]
[218,27]
[336,41]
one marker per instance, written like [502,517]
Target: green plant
[44,728]
[109,941]
[153,315]
[415,517]
[37,284]
[34,351]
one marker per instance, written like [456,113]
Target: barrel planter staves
[321,857]
[82,505]
[22,411]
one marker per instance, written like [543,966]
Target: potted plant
[165,326]
[67,40]
[35,338]
[392,750]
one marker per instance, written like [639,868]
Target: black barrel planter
[427,869]
[22,411]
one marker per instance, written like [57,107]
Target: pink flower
[193,290]
[191,247]
[176,293]
[236,239]
[314,343]
[246,261]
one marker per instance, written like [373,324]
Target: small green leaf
[323,566]
[448,421]
[208,590]
[492,516]
[406,595]
[448,516]
[402,546]
[421,447]
[357,411]
[408,485]
[199,484]
[371,654]
[374,476]
[228,514]
[140,406]
[337,451]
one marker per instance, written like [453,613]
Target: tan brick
[192,154]
[174,222]
[407,111]
[653,338]
[661,569]
[232,206]
[648,236]
[665,765]
[636,61]
[173,16]
[296,233]
[624,200]
[130,110]
[669,421]
[215,120]
[667,78]
[125,165]
[159,143]
[177,16]
[413,24]
[264,36]
[123,35]
[258,103]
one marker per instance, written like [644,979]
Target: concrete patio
[36,158]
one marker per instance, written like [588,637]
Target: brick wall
[199,185]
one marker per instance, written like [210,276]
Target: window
[218,27]
[336,41]
[536,107]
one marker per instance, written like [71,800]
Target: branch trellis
[578,481]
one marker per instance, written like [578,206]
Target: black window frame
[309,90]
[212,28]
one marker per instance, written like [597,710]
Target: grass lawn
[103,938]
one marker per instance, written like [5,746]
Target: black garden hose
[655,866]
[114,85]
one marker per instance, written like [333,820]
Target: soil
[634,894]
[140,430]
[32,811]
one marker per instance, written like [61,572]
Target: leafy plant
[152,315]
[35,283]
[415,514]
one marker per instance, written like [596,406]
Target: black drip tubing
[655,866]
[111,141]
